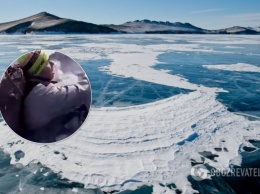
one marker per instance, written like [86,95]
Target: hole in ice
[218,149]
[209,155]
[56,152]
[249,149]
[192,137]
[10,144]
[193,126]
[194,162]
[18,155]
[162,185]
[64,157]
[18,142]
[255,143]
[171,186]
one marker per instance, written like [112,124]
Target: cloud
[206,11]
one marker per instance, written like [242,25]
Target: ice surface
[123,148]
[242,86]
[121,145]
[242,67]
[137,61]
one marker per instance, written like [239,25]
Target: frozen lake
[198,59]
[158,101]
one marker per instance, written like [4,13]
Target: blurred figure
[51,112]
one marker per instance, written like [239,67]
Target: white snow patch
[137,61]
[225,39]
[242,67]
[146,143]
[234,47]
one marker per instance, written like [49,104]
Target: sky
[208,14]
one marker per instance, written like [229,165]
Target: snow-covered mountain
[45,23]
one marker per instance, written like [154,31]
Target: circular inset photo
[45,96]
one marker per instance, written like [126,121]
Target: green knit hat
[34,63]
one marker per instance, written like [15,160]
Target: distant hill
[255,28]
[45,23]
[235,30]
[147,26]
[159,27]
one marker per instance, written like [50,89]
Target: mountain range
[46,23]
